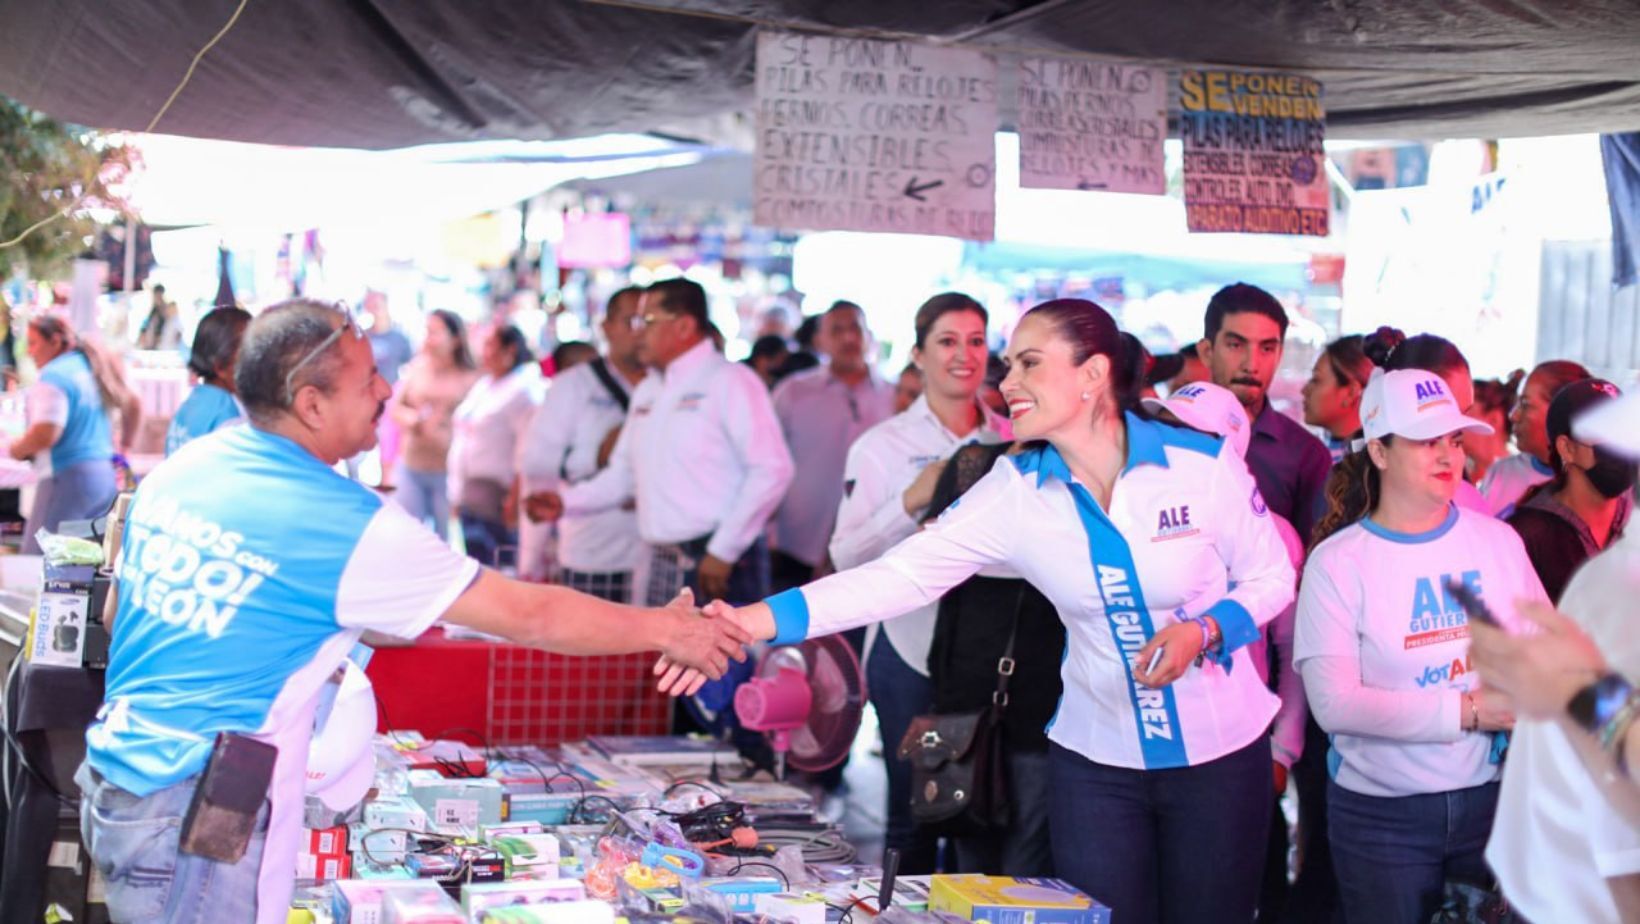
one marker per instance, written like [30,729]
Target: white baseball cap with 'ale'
[1210,409]
[1414,404]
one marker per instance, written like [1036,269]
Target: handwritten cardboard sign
[1253,160]
[868,135]
[1091,125]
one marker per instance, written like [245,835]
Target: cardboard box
[1006,900]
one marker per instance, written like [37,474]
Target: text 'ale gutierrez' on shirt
[702,453]
[1377,598]
[1186,534]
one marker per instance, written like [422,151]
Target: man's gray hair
[279,340]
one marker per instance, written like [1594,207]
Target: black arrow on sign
[914,191]
[1088,185]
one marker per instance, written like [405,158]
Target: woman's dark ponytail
[1380,345]
[1353,489]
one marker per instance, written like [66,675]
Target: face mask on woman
[1610,475]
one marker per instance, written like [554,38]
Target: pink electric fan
[807,698]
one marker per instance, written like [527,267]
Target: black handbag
[959,778]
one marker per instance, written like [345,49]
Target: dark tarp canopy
[388,73]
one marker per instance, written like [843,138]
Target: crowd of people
[1243,608]
[1207,608]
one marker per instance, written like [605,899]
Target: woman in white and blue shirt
[213,403]
[1154,546]
[1384,651]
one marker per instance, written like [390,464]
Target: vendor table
[514,695]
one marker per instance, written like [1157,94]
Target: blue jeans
[1394,856]
[425,496]
[1179,846]
[134,842]
[900,694]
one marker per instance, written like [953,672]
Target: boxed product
[395,813]
[57,634]
[355,901]
[1006,900]
[487,833]
[378,847]
[590,911]
[325,841]
[378,872]
[425,905]
[546,808]
[741,892]
[322,866]
[789,906]
[479,897]
[529,856]
[456,806]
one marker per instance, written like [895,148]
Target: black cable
[483,742]
[701,784]
[576,812]
[785,883]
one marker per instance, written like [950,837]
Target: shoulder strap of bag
[601,370]
[1005,664]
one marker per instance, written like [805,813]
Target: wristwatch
[1598,703]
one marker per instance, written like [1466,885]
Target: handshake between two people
[706,640]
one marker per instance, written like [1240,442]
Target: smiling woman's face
[952,357]
[1045,385]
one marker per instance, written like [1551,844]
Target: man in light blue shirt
[248,572]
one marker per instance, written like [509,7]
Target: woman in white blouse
[889,479]
[489,424]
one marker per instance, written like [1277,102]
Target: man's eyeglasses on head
[323,345]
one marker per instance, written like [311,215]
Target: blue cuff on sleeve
[1236,629]
[791,616]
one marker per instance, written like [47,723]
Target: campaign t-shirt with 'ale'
[1378,597]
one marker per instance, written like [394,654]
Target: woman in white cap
[1383,647]
[1157,551]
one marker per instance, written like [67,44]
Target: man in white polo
[570,440]
[701,453]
